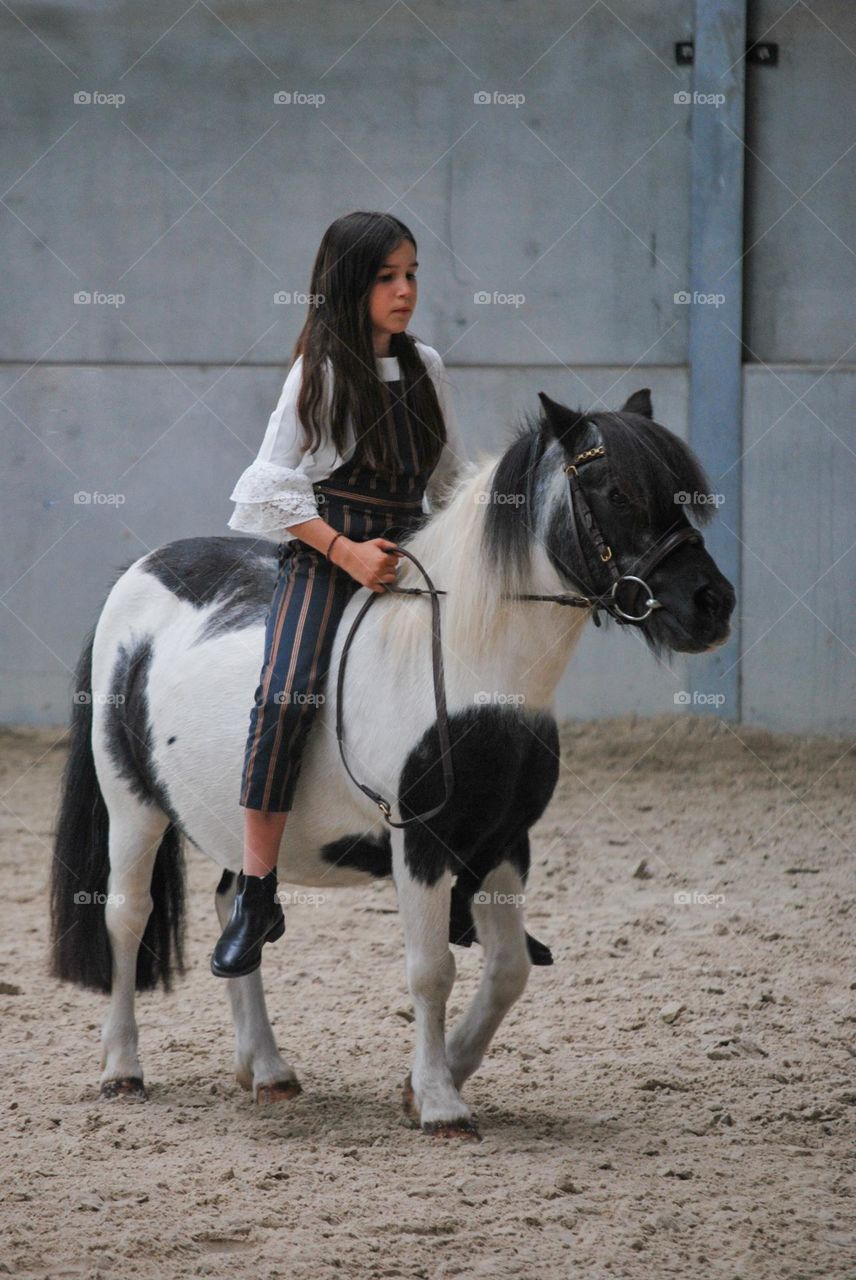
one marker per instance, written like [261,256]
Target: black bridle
[583,524]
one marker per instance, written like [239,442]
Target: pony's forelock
[656,469]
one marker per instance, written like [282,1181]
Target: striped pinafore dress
[308,601]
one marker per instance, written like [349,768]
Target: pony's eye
[618,499]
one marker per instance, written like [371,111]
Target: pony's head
[641,485]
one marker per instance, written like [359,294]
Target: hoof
[465,1129]
[130,1087]
[279,1091]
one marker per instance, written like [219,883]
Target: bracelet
[330,548]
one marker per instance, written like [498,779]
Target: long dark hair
[338,327]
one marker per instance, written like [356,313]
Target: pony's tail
[80,944]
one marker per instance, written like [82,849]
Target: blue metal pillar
[716,309]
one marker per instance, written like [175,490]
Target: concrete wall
[199,199]
[801,184]
[799,567]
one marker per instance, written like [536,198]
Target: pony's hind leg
[136,830]
[430,1091]
[258,1064]
[498,915]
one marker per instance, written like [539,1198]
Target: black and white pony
[160,722]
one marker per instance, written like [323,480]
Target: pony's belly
[311,870]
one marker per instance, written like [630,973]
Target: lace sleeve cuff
[268,498]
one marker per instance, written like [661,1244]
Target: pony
[159,726]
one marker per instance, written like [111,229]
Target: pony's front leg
[424,909]
[259,1068]
[498,915]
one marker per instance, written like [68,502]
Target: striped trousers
[308,602]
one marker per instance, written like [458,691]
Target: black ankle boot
[256,919]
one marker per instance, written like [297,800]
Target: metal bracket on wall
[759,54]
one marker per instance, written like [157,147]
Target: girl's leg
[262,838]
[308,602]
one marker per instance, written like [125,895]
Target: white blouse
[276,490]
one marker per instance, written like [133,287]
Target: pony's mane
[510,511]
[479,545]
[451,547]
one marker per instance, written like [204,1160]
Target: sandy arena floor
[670,1099]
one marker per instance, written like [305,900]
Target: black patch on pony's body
[373,857]
[238,575]
[127,724]
[128,729]
[506,763]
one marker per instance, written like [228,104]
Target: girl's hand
[370,563]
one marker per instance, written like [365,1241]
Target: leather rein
[583,524]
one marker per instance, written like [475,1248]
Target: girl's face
[392,300]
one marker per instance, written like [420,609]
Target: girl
[363,422]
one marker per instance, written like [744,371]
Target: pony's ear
[639,402]
[567,425]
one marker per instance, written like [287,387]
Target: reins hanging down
[582,519]
[439,697]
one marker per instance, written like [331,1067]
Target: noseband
[583,524]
